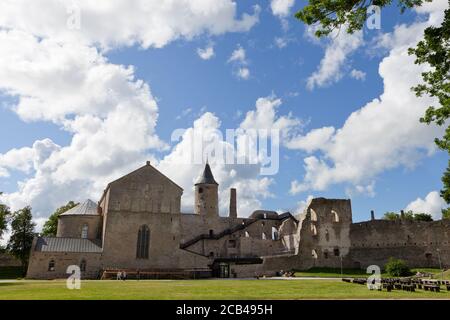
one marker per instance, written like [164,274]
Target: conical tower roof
[88,207]
[207,176]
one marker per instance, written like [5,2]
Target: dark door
[224,270]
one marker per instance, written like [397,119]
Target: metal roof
[59,244]
[88,207]
[207,176]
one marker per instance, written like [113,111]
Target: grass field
[204,289]
[360,273]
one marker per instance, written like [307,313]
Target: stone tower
[206,194]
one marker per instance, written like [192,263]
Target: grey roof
[59,244]
[88,207]
[207,176]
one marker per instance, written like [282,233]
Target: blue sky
[185,87]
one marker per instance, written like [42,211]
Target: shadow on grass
[9,284]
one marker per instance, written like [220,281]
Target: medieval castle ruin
[137,226]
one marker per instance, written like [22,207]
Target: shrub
[397,268]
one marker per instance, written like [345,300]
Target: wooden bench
[431,287]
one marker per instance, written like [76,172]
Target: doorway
[224,270]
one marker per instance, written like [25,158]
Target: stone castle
[137,226]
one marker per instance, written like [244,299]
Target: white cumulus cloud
[60,74]
[153,23]
[432,204]
[340,46]
[206,53]
[383,134]
[358,74]
[281,8]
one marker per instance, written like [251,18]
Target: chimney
[372,215]
[233,212]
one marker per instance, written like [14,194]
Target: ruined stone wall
[324,233]
[71,226]
[417,242]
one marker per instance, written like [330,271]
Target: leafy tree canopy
[446,213]
[391,216]
[51,225]
[22,234]
[5,213]
[408,215]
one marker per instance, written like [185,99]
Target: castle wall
[39,263]
[417,242]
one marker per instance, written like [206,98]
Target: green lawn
[204,289]
[359,273]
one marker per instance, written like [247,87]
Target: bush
[397,268]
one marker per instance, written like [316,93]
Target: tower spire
[206,177]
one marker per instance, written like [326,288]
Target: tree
[22,234]
[391,216]
[51,225]
[4,216]
[433,50]
[423,217]
[446,213]
[408,215]
[397,268]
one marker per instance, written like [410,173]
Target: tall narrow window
[83,265]
[143,242]
[313,215]
[84,231]
[275,234]
[335,216]
[51,265]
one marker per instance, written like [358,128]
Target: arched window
[84,231]
[335,216]
[314,254]
[247,235]
[83,265]
[51,265]
[275,234]
[143,242]
[263,236]
[313,215]
[313,230]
